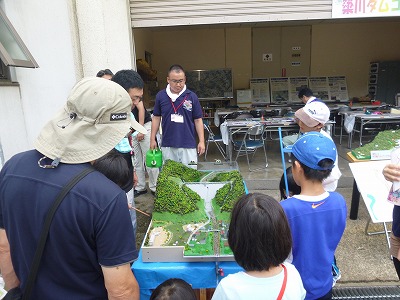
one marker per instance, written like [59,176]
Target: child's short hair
[294,189]
[259,233]
[173,289]
[114,166]
[316,154]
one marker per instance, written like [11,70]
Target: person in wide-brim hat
[95,118]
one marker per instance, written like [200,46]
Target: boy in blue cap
[317,218]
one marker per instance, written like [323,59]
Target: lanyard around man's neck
[176,108]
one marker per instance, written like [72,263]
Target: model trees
[175,197]
[172,195]
[229,193]
[384,140]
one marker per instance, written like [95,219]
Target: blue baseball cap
[312,147]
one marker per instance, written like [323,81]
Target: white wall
[44,27]
[68,39]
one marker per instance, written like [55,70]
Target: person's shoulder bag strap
[43,237]
[282,291]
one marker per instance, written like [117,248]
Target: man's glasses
[177,81]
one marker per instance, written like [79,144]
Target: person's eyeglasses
[177,81]
[137,98]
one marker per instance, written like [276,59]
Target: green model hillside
[384,140]
[172,195]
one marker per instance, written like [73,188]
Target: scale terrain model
[191,214]
[385,140]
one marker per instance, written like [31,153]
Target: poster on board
[279,90]
[295,85]
[320,87]
[260,90]
[338,88]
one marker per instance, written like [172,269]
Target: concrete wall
[69,40]
[347,49]
[328,49]
[44,27]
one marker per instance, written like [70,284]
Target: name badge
[176,118]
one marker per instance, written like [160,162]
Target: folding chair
[214,138]
[287,149]
[252,140]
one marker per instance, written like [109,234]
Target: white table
[362,119]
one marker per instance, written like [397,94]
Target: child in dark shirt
[294,189]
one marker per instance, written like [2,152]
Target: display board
[284,90]
[210,83]
[338,88]
[373,188]
[320,87]
[295,85]
[260,90]
[279,90]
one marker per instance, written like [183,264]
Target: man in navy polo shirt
[181,114]
[90,244]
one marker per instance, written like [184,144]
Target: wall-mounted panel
[266,41]
[295,50]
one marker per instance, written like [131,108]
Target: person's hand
[201,148]
[153,144]
[135,179]
[140,137]
[391,172]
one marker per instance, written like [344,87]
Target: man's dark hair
[176,68]
[305,92]
[128,79]
[318,175]
[259,234]
[101,73]
[114,166]
[173,289]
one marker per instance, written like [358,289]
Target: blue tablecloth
[199,274]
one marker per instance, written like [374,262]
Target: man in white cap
[312,117]
[90,244]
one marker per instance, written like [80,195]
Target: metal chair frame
[216,139]
[253,139]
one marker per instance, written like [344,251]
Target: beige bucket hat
[96,117]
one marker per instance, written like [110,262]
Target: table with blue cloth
[201,275]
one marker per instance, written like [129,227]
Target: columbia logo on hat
[118,116]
